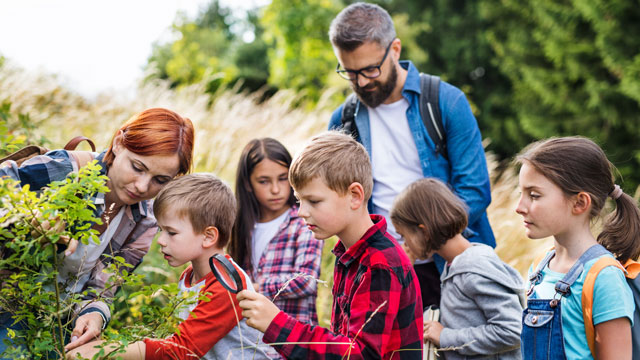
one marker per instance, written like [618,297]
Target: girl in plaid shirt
[269,239]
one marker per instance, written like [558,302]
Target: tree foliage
[300,56]
[209,49]
[574,67]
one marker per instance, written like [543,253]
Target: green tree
[300,54]
[196,52]
[208,48]
[251,58]
[574,66]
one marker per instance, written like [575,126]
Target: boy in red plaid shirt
[377,311]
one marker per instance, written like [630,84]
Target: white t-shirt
[394,156]
[262,234]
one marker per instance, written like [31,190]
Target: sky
[93,46]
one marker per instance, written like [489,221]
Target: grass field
[224,124]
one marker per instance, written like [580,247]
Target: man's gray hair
[359,23]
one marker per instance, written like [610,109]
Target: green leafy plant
[31,254]
[34,230]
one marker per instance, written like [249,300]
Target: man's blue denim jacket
[466,170]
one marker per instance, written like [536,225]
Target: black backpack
[429,103]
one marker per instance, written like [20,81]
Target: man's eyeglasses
[370,72]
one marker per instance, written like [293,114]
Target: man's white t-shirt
[262,234]
[394,156]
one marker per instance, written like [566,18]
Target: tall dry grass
[224,125]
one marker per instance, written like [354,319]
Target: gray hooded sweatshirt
[481,306]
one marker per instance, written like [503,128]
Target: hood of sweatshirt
[482,260]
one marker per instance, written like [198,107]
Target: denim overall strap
[536,275]
[542,336]
[563,286]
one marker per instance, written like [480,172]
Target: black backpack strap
[430,111]
[349,115]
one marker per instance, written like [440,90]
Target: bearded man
[388,122]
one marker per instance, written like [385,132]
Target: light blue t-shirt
[612,299]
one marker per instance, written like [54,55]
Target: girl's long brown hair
[577,164]
[248,207]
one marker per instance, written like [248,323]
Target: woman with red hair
[148,151]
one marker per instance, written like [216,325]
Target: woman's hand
[257,309]
[88,327]
[432,330]
[45,226]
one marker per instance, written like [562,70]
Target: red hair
[157,131]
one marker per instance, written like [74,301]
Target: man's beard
[383,90]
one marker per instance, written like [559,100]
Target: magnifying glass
[226,273]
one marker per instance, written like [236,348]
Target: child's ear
[581,203]
[356,192]
[210,237]
[423,229]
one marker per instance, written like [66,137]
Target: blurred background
[255,68]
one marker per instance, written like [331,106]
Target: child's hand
[257,309]
[256,287]
[432,330]
[84,351]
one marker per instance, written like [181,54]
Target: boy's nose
[160,240]
[302,212]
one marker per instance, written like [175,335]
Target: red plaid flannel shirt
[377,310]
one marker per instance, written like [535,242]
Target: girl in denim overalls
[565,183]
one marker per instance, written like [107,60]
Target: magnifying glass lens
[224,277]
[226,273]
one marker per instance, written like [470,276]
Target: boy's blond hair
[203,199]
[337,159]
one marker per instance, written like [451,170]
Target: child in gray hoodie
[482,297]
